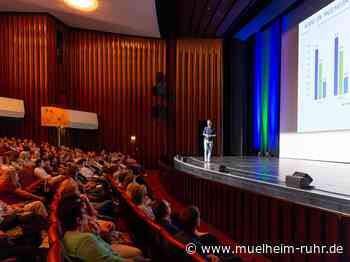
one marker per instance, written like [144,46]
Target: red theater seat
[55,254]
[27,179]
[54,232]
[154,241]
[174,250]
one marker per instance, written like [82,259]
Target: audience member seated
[78,243]
[96,225]
[10,188]
[129,178]
[131,187]
[22,230]
[41,173]
[20,209]
[85,211]
[139,197]
[190,219]
[120,175]
[162,212]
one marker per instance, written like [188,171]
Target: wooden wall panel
[27,60]
[255,219]
[199,84]
[114,76]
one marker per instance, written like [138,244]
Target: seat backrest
[55,232]
[174,250]
[155,241]
[26,177]
[55,254]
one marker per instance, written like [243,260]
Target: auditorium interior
[187,130]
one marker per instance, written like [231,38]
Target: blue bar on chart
[316,74]
[346,84]
[336,64]
[324,89]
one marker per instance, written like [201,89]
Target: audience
[22,230]
[11,189]
[78,242]
[40,173]
[139,197]
[162,212]
[190,221]
[86,211]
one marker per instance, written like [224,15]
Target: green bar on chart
[320,81]
[341,72]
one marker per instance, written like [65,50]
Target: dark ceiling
[206,18]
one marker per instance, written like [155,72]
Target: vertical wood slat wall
[252,219]
[114,76]
[199,90]
[27,65]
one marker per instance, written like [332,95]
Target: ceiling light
[83,5]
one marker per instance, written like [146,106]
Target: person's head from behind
[70,170]
[190,219]
[120,175]
[129,178]
[26,148]
[25,155]
[10,174]
[162,210]
[5,159]
[39,163]
[70,213]
[61,169]
[46,161]
[209,123]
[12,156]
[68,187]
[138,194]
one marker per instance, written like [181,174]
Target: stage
[331,185]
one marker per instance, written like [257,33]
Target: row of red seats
[55,252]
[155,183]
[164,246]
[154,240]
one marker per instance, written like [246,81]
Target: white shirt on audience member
[41,173]
[86,172]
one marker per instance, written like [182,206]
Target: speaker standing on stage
[208,134]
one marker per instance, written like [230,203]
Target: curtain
[27,58]
[114,77]
[199,87]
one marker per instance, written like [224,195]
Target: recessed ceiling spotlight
[83,5]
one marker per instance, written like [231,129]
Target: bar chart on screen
[320,83]
[323,70]
[341,78]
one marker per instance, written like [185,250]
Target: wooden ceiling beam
[223,10]
[208,15]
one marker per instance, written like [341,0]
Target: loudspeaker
[160,89]
[223,169]
[59,46]
[299,180]
[159,112]
[180,157]
[160,77]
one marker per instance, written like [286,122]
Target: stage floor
[329,178]
[266,176]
